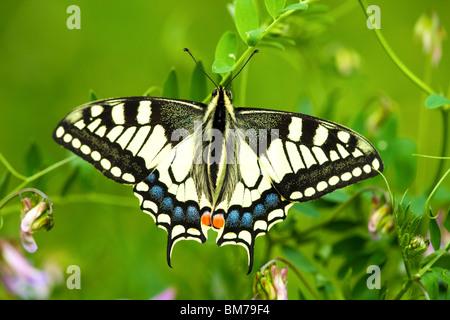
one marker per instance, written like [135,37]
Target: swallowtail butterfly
[195,166]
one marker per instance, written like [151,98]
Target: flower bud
[271,284]
[417,246]
[34,219]
[380,221]
[431,33]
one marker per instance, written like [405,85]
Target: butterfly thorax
[219,118]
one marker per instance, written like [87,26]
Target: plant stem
[445,143]
[395,58]
[27,180]
[10,168]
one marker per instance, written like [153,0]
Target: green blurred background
[125,47]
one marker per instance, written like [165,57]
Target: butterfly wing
[149,143]
[307,157]
[285,158]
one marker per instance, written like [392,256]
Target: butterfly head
[221,93]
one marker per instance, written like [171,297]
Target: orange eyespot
[218,221]
[206,219]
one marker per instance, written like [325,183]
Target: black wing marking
[122,136]
[309,157]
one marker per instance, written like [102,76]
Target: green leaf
[245,17]
[274,7]
[170,89]
[226,51]
[295,6]
[33,159]
[150,92]
[443,274]
[436,101]
[92,96]
[435,234]
[431,284]
[298,259]
[306,209]
[198,89]
[253,37]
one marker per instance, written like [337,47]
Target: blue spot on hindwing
[271,201]
[259,210]
[157,192]
[167,204]
[178,214]
[151,178]
[246,220]
[233,219]
[193,215]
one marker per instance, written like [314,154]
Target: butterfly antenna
[200,67]
[253,53]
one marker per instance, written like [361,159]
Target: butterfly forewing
[124,137]
[309,157]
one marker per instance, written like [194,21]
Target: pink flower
[270,284]
[34,219]
[168,294]
[19,277]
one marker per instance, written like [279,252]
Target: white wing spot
[344,153]
[346,176]
[367,168]
[105,164]
[96,110]
[357,153]
[334,155]
[80,124]
[357,172]
[278,213]
[321,135]
[322,185]
[142,186]
[67,137]
[96,155]
[310,192]
[144,112]
[343,136]
[260,224]
[117,114]
[296,195]
[116,172]
[295,129]
[334,180]
[85,149]
[59,132]
[376,164]
[128,177]
[101,131]
[76,143]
